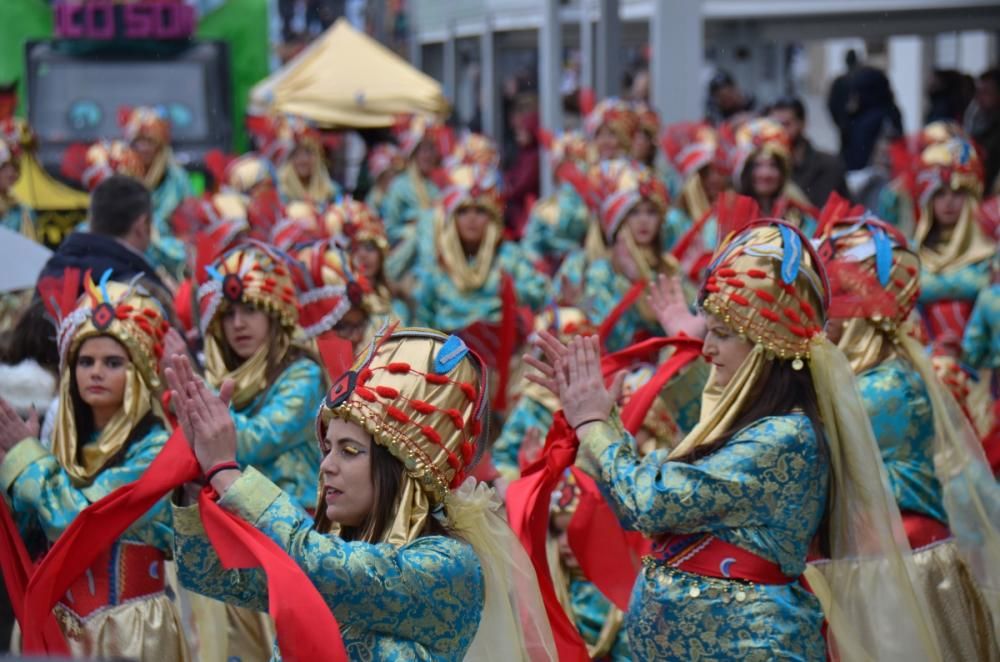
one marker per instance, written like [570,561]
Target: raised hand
[553,350]
[666,298]
[203,416]
[14,429]
[584,396]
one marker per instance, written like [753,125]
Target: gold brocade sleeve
[18,459]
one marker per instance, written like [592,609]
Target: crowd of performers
[677,414]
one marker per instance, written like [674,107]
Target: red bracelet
[219,468]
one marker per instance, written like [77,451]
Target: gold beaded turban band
[251,273]
[768,285]
[125,312]
[617,115]
[129,315]
[423,396]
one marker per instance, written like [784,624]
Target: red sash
[127,571]
[307,629]
[922,530]
[706,555]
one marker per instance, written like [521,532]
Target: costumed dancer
[384,164]
[557,224]
[955,257]
[334,295]
[147,132]
[364,233]
[412,557]
[645,144]
[783,454]
[609,128]
[700,157]
[763,171]
[927,445]
[631,203]
[595,617]
[302,173]
[477,279]
[252,177]
[109,427]
[415,190]
[248,312]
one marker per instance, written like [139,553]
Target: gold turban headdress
[129,315]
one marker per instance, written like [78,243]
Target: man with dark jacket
[817,173]
[120,231]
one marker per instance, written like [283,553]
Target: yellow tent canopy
[345,79]
[36,189]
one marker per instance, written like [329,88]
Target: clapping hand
[666,298]
[573,372]
[203,416]
[14,429]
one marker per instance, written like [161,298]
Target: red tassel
[431,434]
[435,378]
[387,392]
[423,407]
[397,414]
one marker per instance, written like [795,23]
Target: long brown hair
[780,390]
[387,474]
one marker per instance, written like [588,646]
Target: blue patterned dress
[421,601]
[275,433]
[402,203]
[981,343]
[18,218]
[440,304]
[557,225]
[764,491]
[590,612]
[166,250]
[903,421]
[44,498]
[603,288]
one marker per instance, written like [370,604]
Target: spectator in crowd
[725,99]
[982,121]
[864,108]
[817,173]
[949,93]
[120,232]
[521,177]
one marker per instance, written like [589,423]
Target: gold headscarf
[318,190]
[133,318]
[768,286]
[879,313]
[254,274]
[951,164]
[472,186]
[422,395]
[618,116]
[144,122]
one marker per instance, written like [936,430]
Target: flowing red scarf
[609,556]
[306,628]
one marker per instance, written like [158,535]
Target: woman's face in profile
[724,349]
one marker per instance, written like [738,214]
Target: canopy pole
[488,82]
[549,73]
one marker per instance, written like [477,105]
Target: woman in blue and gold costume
[632,207]
[109,427]
[783,454]
[147,132]
[410,555]
[463,284]
[302,175]
[763,170]
[414,190]
[935,465]
[249,320]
